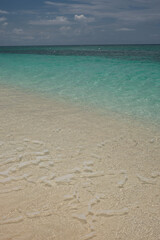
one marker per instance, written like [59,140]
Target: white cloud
[5,24]
[55,4]
[2,19]
[128,16]
[80,17]
[27,12]
[3,12]
[124,10]
[28,37]
[19,34]
[18,31]
[83,18]
[91,7]
[125,29]
[65,29]
[57,21]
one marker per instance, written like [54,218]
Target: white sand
[70,174]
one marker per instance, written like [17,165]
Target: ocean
[123,79]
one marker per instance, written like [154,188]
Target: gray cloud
[3,12]
[133,17]
[18,31]
[125,29]
[135,11]
[60,20]
[84,21]
[2,19]
[5,24]
[65,30]
[56,4]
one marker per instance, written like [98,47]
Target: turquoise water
[123,79]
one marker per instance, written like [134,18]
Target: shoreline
[69,173]
[88,110]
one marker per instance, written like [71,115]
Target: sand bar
[69,173]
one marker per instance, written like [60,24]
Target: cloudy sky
[40,22]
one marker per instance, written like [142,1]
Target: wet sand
[69,173]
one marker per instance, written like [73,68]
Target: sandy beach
[68,173]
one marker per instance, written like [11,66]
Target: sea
[123,79]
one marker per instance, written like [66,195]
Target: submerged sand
[68,173]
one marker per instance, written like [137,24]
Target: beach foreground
[70,174]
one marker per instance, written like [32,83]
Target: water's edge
[122,79]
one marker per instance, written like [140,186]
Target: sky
[76,22]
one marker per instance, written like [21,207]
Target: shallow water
[68,174]
[123,79]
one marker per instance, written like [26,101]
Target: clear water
[121,78]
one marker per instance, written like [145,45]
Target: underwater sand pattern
[80,177]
